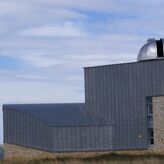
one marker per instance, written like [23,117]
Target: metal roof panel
[71,114]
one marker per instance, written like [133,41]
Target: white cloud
[41,60]
[67,29]
[96,5]
[82,51]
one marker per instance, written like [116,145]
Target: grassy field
[110,158]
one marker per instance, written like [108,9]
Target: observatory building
[123,110]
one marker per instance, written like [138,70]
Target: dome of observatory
[148,51]
[153,49]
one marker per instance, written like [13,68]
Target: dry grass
[110,158]
[148,161]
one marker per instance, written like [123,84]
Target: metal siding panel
[60,139]
[100,91]
[13,127]
[28,130]
[149,80]
[42,131]
[83,138]
[17,125]
[108,98]
[95,102]
[87,89]
[64,139]
[112,86]
[103,105]
[88,139]
[55,138]
[126,105]
[161,77]
[135,123]
[92,86]
[4,125]
[124,75]
[50,139]
[93,138]
[86,84]
[157,78]
[37,134]
[33,132]
[90,89]
[161,67]
[24,133]
[10,126]
[117,121]
[112,107]
[41,139]
[72,133]
[21,130]
[105,93]
[144,113]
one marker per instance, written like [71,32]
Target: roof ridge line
[94,115]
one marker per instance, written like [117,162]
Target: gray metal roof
[71,114]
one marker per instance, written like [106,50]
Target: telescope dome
[148,51]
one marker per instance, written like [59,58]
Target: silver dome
[148,51]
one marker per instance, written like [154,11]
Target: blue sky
[44,44]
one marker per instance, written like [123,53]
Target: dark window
[150,121]
[151,141]
[159,44]
[150,133]
[150,109]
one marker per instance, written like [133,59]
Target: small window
[149,100]
[150,133]
[150,109]
[150,119]
[150,137]
[151,142]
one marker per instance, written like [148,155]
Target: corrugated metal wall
[82,138]
[23,129]
[118,94]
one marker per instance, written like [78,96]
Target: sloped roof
[72,114]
